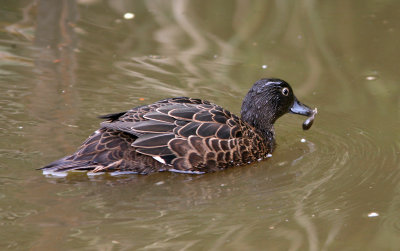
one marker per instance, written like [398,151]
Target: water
[62,63]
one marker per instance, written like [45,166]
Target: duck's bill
[302,109]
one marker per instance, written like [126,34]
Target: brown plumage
[185,135]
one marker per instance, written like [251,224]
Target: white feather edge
[159,159]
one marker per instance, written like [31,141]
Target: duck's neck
[262,126]
[259,118]
[265,130]
[260,113]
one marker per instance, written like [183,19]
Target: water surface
[62,63]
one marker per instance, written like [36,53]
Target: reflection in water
[312,195]
[55,66]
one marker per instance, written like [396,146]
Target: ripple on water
[334,169]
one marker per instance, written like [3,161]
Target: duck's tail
[67,164]
[105,150]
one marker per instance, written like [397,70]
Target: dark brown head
[269,99]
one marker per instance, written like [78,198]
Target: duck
[186,135]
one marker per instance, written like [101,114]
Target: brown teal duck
[186,135]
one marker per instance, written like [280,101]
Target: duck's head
[269,99]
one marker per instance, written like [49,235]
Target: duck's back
[178,134]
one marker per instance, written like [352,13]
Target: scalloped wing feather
[185,134]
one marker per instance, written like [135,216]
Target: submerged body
[186,135]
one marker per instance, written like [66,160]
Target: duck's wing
[187,134]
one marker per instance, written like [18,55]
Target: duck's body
[185,134]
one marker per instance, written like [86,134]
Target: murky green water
[62,63]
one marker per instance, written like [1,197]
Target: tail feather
[64,165]
[106,150]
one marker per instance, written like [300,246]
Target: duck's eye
[285,91]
